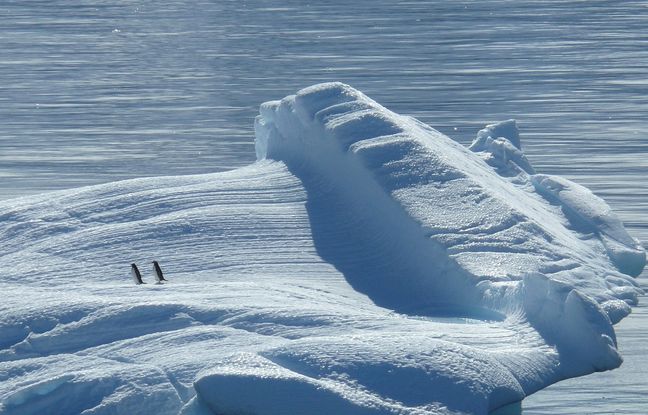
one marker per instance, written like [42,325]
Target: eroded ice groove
[413,187]
[374,267]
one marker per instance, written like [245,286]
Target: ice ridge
[452,231]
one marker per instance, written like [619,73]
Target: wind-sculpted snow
[366,264]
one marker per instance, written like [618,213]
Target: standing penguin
[136,275]
[159,277]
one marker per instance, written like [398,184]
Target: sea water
[97,91]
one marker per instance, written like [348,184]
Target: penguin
[159,277]
[136,275]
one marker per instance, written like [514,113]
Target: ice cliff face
[367,264]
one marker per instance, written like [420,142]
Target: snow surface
[365,264]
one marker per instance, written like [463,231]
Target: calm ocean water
[96,91]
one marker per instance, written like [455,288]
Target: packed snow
[365,264]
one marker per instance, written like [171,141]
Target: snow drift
[366,264]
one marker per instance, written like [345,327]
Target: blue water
[96,91]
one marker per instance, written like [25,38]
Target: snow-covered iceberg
[366,264]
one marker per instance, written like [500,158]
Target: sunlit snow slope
[367,264]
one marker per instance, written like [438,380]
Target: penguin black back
[158,272]
[136,274]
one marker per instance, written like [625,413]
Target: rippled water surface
[95,91]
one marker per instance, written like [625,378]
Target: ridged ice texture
[477,223]
[375,267]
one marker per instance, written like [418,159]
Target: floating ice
[366,264]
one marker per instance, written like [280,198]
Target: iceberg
[365,264]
